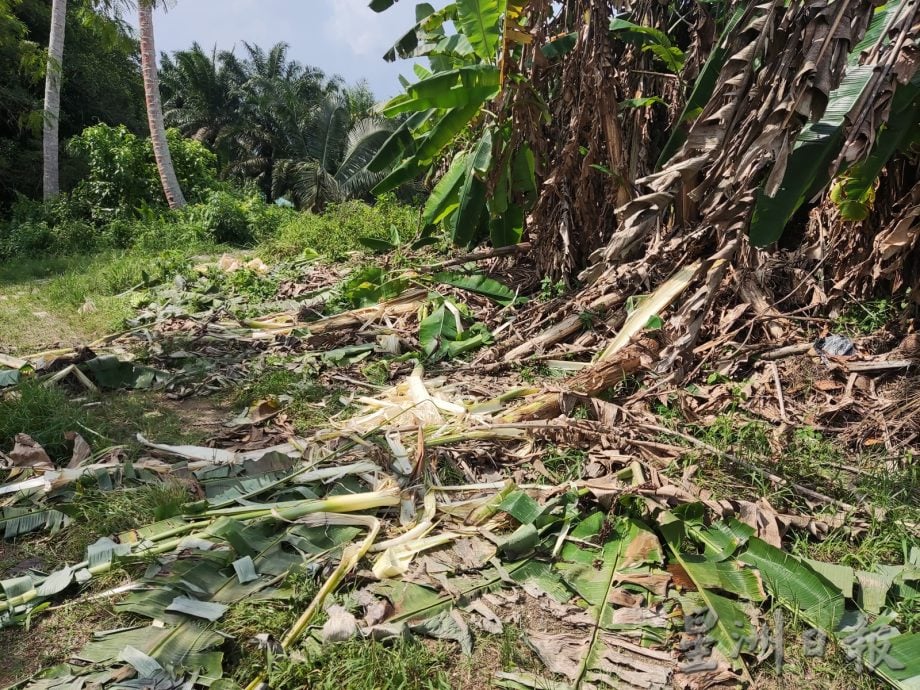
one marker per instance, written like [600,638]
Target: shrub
[195,164]
[170,232]
[237,218]
[223,217]
[335,232]
[122,175]
[38,237]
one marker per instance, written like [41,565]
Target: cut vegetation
[652,422]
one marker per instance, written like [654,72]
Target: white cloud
[366,32]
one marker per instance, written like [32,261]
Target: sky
[342,37]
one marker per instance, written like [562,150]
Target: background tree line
[286,128]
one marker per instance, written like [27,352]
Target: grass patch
[364,665]
[98,514]
[43,413]
[882,538]
[357,664]
[74,299]
[311,404]
[53,637]
[47,413]
[335,232]
[864,318]
[828,671]
[889,488]
[566,464]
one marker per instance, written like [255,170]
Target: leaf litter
[642,579]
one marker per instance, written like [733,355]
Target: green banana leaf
[593,574]
[479,21]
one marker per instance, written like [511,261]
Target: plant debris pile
[460,485]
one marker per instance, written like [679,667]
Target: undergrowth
[888,486]
[311,403]
[357,664]
[98,514]
[46,413]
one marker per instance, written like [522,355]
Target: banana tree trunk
[52,113]
[155,109]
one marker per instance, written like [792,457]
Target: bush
[237,218]
[335,232]
[122,175]
[222,215]
[38,237]
[195,164]
[170,232]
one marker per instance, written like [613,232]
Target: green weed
[98,514]
[335,232]
[888,488]
[47,413]
[532,373]
[862,318]
[566,464]
[359,665]
[355,665]
[550,290]
[311,404]
[78,298]
[828,671]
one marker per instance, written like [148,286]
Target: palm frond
[363,141]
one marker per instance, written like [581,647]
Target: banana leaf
[479,21]
[809,166]
[444,198]
[795,585]
[16,521]
[727,619]
[478,283]
[449,89]
[593,574]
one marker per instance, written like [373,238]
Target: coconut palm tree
[161,153]
[52,112]
[330,155]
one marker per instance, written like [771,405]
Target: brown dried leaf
[27,453]
[81,449]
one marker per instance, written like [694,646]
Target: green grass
[831,671]
[365,665]
[335,232]
[75,299]
[357,665]
[53,637]
[566,464]
[47,413]
[247,619]
[311,406]
[98,514]
[43,413]
[887,488]
[863,318]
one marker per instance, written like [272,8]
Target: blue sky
[339,36]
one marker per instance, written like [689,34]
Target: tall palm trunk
[155,109]
[52,114]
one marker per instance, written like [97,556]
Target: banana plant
[490,182]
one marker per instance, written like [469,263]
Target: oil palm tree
[52,110]
[277,100]
[330,155]
[201,92]
[161,153]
